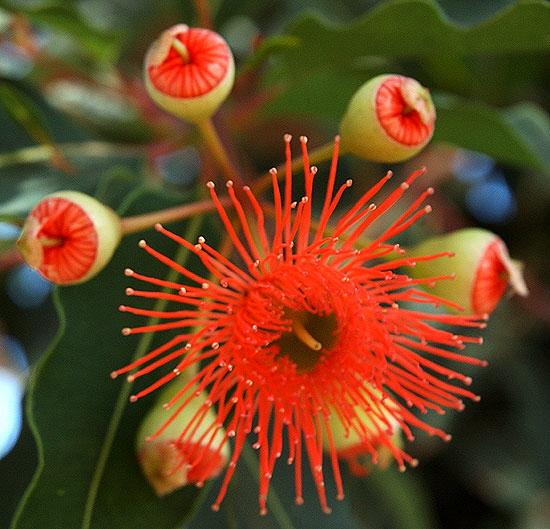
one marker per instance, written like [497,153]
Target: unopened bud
[189,72]
[69,237]
[482,269]
[375,434]
[389,119]
[168,457]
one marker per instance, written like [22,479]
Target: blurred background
[74,114]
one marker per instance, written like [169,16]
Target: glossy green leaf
[83,423]
[413,29]
[479,127]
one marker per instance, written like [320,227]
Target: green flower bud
[480,264]
[375,436]
[168,458]
[389,119]
[69,237]
[189,72]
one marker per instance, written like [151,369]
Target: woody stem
[148,220]
[212,138]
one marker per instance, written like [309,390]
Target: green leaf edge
[462,40]
[29,400]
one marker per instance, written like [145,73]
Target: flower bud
[69,237]
[389,119]
[480,264]
[189,72]
[376,434]
[168,458]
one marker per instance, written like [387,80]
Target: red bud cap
[481,266]
[389,119]
[189,72]
[69,237]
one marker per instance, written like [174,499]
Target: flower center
[311,338]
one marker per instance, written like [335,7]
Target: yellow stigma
[310,338]
[304,336]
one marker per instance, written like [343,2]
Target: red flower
[309,330]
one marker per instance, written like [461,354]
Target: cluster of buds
[69,237]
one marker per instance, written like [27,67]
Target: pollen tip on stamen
[122,308]
[349,182]
[114,374]
[340,496]
[430,190]
[142,243]
[447,437]
[130,378]
[159,226]
[126,331]
[299,500]
[182,291]
[263,511]
[313,169]
[210,184]
[428,208]
[133,398]
[129,292]
[303,139]
[273,171]
[128,272]
[229,184]
[413,463]
[287,138]
[215,507]
[326,509]
[404,185]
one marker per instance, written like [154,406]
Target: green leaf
[533,123]
[480,127]
[26,177]
[84,426]
[65,18]
[416,28]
